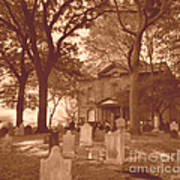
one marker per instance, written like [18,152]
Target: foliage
[46,30]
[9,96]
[158,92]
[60,86]
[107,44]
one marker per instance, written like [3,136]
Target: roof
[108,102]
[116,69]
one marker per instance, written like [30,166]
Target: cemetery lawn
[23,163]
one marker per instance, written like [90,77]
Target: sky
[30,117]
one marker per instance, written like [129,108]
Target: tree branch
[34,8]
[9,25]
[11,14]
[47,28]
[61,10]
[30,24]
[164,5]
[120,21]
[10,65]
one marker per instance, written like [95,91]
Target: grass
[24,162]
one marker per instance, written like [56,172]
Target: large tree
[16,66]
[145,13]
[49,27]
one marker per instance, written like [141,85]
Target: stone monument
[86,135]
[69,145]
[55,167]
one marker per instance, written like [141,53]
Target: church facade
[105,98]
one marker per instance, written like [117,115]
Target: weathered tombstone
[60,128]
[16,131]
[21,129]
[86,135]
[174,128]
[69,145]
[156,124]
[111,151]
[55,167]
[76,133]
[99,135]
[46,139]
[6,144]
[115,143]
[127,136]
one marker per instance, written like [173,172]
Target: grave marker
[174,126]
[115,144]
[86,135]
[55,167]
[69,144]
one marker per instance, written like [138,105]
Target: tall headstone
[156,124]
[86,135]
[127,136]
[69,145]
[115,144]
[16,131]
[111,150]
[21,129]
[55,167]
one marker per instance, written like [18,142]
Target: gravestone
[55,167]
[174,126]
[17,131]
[21,129]
[156,124]
[6,144]
[99,135]
[127,136]
[111,151]
[76,133]
[69,145]
[46,139]
[115,144]
[60,128]
[86,135]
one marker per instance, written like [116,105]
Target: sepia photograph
[89,89]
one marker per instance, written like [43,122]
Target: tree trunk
[42,114]
[20,104]
[134,104]
[134,87]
